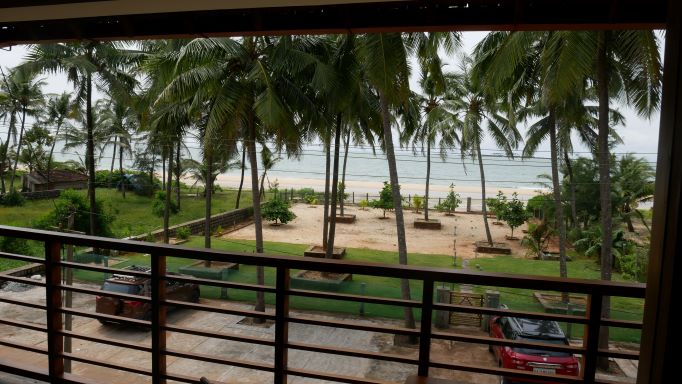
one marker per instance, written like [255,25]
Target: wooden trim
[354,326]
[158,263]
[219,360]
[354,298]
[208,308]
[22,280]
[219,335]
[22,303]
[24,347]
[108,341]
[28,259]
[99,292]
[334,377]
[354,353]
[426,326]
[105,317]
[117,366]
[222,284]
[591,338]
[23,324]
[282,325]
[94,268]
[53,301]
[510,312]
[507,342]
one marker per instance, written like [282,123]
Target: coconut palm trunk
[113,162]
[325,216]
[574,207]
[6,154]
[241,180]
[120,168]
[209,196]
[558,209]
[50,156]
[177,174]
[90,153]
[428,177]
[484,208]
[343,173]
[604,159]
[167,202]
[16,158]
[329,253]
[257,219]
[397,205]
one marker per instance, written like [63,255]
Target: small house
[59,179]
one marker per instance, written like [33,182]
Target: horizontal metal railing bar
[220,360]
[29,259]
[507,372]
[226,311]
[106,340]
[510,313]
[354,326]
[22,280]
[353,353]
[333,377]
[219,335]
[100,363]
[95,268]
[354,298]
[23,324]
[629,355]
[102,316]
[621,323]
[507,342]
[607,288]
[22,369]
[22,303]
[222,284]
[24,347]
[181,378]
[99,292]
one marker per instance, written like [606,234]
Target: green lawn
[388,287]
[133,215]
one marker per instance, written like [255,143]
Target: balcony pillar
[53,301]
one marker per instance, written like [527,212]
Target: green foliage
[12,199]
[311,199]
[37,142]
[451,202]
[385,201]
[498,205]
[363,204]
[341,195]
[418,202]
[512,211]
[74,202]
[591,242]
[150,238]
[539,205]
[15,245]
[633,266]
[537,238]
[277,210]
[303,193]
[159,205]
[183,233]
[108,179]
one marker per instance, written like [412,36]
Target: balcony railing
[56,333]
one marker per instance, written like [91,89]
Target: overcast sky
[639,135]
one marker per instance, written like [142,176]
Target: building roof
[56,176]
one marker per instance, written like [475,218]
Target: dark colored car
[140,286]
[530,359]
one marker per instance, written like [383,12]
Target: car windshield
[541,352]
[121,288]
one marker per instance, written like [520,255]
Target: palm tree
[86,63]
[242,168]
[268,161]
[26,98]
[470,107]
[118,121]
[633,183]
[59,110]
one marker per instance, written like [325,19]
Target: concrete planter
[217,271]
[319,252]
[302,281]
[431,224]
[495,248]
[345,219]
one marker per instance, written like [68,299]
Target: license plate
[548,371]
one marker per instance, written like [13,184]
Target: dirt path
[370,231]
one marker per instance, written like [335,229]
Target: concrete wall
[50,194]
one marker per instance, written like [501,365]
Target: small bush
[183,233]
[13,199]
[311,199]
[159,205]
[418,202]
[363,204]
[15,245]
[451,202]
[73,202]
[278,211]
[303,193]
[150,238]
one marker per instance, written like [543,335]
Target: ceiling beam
[356,17]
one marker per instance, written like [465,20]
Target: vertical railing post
[158,318]
[281,324]
[53,301]
[591,337]
[425,333]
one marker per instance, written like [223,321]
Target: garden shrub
[12,198]
[385,201]
[277,210]
[451,202]
[71,201]
[15,245]
[183,233]
[418,202]
[159,205]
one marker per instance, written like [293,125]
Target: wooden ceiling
[23,21]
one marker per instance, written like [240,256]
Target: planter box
[552,303]
[495,248]
[551,257]
[431,224]
[319,252]
[345,219]
[217,271]
[300,281]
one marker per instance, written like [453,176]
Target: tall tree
[86,64]
[59,110]
[117,120]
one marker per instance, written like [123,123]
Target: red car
[529,359]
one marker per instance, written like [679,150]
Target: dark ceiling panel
[32,3]
[367,17]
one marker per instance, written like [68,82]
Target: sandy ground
[372,232]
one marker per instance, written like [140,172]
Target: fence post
[158,320]
[281,324]
[591,337]
[367,197]
[492,300]
[53,301]
[353,197]
[468,204]
[425,332]
[442,317]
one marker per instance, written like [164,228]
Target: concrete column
[442,317]
[492,300]
[468,204]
